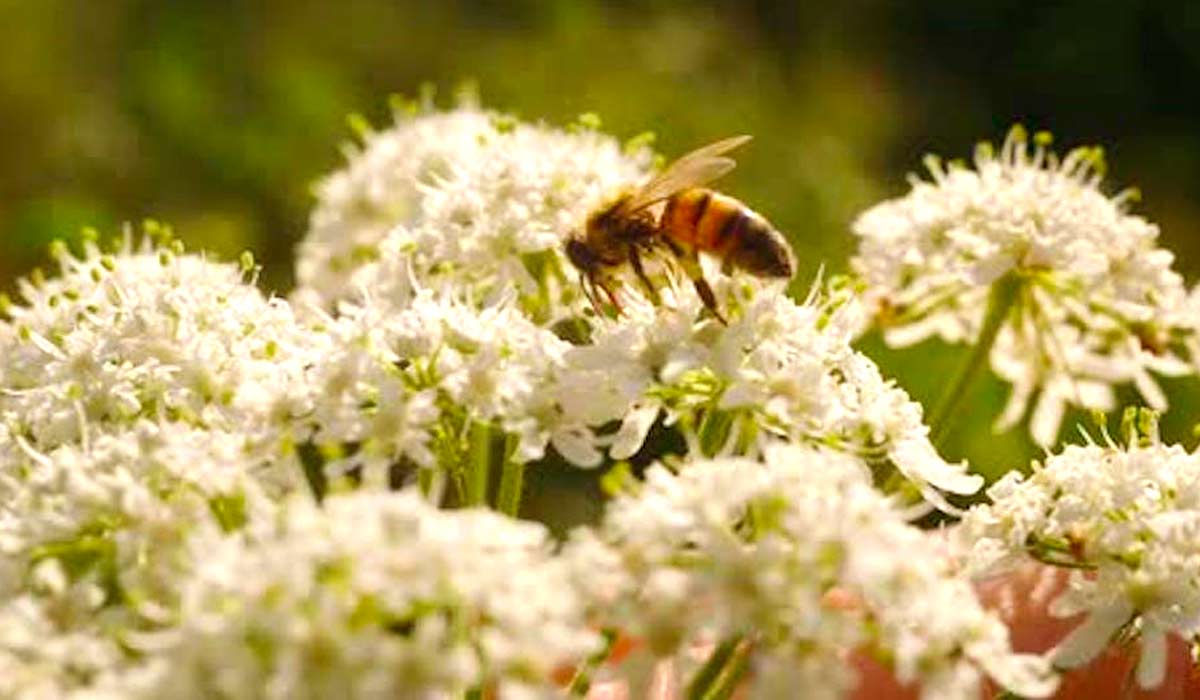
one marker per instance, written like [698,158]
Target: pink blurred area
[1022,600]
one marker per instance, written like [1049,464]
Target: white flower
[1093,300]
[93,546]
[734,548]
[405,386]
[778,370]
[374,596]
[480,207]
[468,198]
[116,505]
[148,332]
[1127,521]
[54,644]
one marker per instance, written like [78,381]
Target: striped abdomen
[715,223]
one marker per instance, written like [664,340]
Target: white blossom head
[401,388]
[1085,296]
[734,549]
[779,370]
[148,331]
[375,596]
[1126,521]
[445,326]
[94,546]
[469,198]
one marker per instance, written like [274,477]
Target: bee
[675,214]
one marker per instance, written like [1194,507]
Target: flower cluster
[430,345]
[406,386]
[374,596]
[466,198]
[801,558]
[146,331]
[779,370]
[1126,520]
[207,492]
[93,543]
[1086,298]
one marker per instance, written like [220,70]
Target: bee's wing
[702,165]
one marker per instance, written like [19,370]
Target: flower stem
[735,670]
[1003,295]
[707,679]
[512,480]
[479,464]
[582,682]
[714,430]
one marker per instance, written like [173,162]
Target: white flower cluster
[431,341]
[803,559]
[1093,301]
[375,596]
[405,386]
[779,370]
[159,416]
[1127,521]
[466,198]
[93,544]
[149,332]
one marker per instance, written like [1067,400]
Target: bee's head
[581,256]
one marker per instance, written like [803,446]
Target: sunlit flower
[468,197]
[734,549]
[1126,520]
[779,370]
[1089,298]
[374,596]
[468,311]
[55,641]
[404,387]
[93,545]
[150,332]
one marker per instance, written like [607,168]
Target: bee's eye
[578,253]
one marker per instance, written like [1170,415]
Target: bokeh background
[217,116]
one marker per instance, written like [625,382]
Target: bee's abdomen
[703,219]
[719,224]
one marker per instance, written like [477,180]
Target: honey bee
[693,219]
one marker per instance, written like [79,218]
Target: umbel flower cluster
[208,491]
[1027,255]
[1126,520]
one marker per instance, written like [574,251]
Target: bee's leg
[612,297]
[635,260]
[691,266]
[707,296]
[589,290]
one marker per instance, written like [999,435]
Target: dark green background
[218,116]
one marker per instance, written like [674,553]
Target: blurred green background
[217,116]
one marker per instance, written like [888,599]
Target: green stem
[479,464]
[425,481]
[512,480]
[582,682]
[735,670]
[706,680]
[1003,295]
[714,430]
